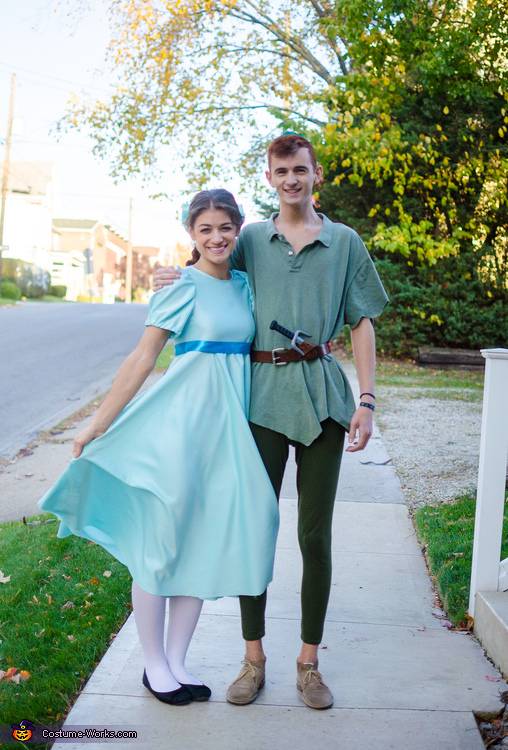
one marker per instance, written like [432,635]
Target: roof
[30,177]
[74,223]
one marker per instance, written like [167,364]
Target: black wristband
[369,406]
[367,394]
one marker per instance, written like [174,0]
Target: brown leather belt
[283,356]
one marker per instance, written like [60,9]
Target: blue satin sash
[213,347]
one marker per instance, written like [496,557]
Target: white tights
[165,669]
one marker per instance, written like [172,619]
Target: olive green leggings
[318,466]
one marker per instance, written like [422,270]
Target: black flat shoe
[179,697]
[198,692]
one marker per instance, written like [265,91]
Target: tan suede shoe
[248,683]
[314,691]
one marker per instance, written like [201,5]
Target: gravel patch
[433,438]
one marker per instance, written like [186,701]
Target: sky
[54,54]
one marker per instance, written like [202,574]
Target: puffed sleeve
[245,280]
[365,294]
[171,307]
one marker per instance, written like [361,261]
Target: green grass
[408,375]
[6,301]
[58,647]
[448,532]
[47,298]
[165,358]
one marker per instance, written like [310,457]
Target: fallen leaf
[71,638]
[492,679]
[36,523]
[98,617]
[107,574]
[87,604]
[446,623]
[25,452]
[67,578]
[12,675]
[4,579]
[38,635]
[68,605]
[35,599]
[23,476]
[94,581]
[422,628]
[66,557]
[49,598]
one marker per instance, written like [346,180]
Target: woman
[172,483]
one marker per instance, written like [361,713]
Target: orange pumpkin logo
[23,730]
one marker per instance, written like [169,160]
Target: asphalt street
[54,358]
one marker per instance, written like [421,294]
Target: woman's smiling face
[215,236]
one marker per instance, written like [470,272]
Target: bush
[10,290]
[444,305]
[33,281]
[58,290]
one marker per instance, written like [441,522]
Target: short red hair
[285,145]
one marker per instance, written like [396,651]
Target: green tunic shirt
[331,282]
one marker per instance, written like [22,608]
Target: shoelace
[313,673]
[249,668]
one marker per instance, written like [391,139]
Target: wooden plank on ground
[440,356]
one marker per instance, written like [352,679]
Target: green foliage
[57,643]
[10,290]
[448,532]
[442,305]
[418,133]
[58,290]
[33,281]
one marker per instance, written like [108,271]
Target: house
[85,257]
[29,210]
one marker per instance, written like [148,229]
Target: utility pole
[6,170]
[128,268]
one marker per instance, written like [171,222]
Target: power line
[9,66]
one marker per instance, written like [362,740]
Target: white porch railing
[487,573]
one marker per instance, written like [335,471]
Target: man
[311,275]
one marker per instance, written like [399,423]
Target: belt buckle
[274,357]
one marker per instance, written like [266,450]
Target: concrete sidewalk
[400,679]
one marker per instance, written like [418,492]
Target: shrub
[10,290]
[58,290]
[33,281]
[443,305]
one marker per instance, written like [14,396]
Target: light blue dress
[176,489]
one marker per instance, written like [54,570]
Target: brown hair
[285,145]
[221,200]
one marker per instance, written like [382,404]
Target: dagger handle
[274,326]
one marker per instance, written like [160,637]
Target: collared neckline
[324,237]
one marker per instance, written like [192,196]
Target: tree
[405,101]
[418,131]
[198,76]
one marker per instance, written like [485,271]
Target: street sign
[87,252]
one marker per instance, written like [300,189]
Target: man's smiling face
[294,177]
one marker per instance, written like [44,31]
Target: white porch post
[485,571]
